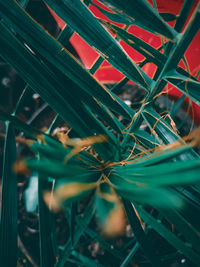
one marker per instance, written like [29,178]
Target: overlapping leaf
[57,55]
[144,14]
[185,84]
[81,20]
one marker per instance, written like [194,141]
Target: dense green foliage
[108,156]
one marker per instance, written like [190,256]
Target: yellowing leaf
[62,193]
[21,167]
[193,138]
[116,222]
[83,143]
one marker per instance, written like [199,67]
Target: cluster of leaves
[108,155]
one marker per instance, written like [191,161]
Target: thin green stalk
[9,203]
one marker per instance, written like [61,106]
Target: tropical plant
[106,160]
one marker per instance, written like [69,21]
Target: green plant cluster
[109,157]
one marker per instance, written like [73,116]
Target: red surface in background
[107,74]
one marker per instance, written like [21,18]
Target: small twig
[25,252]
